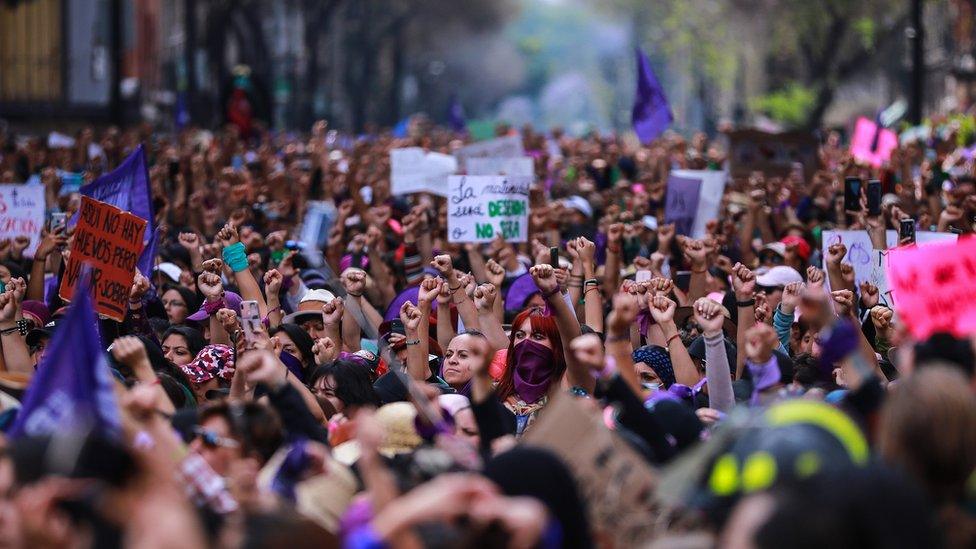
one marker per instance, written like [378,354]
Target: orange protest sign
[934,287]
[109,242]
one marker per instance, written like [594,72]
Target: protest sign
[127,188]
[108,241]
[869,264]
[501,147]
[871,143]
[709,196]
[773,154]
[501,166]
[481,207]
[616,483]
[935,286]
[414,171]
[22,213]
[681,203]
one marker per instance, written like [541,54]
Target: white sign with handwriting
[482,207]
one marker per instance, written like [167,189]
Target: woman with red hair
[539,359]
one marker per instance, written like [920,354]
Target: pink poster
[863,145]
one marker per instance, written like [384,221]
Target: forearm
[145,375]
[569,329]
[492,328]
[16,355]
[593,308]
[478,268]
[720,395]
[250,291]
[611,270]
[334,332]
[218,335]
[685,371]
[747,319]
[416,358]
[350,333]
[445,328]
[697,283]
[35,286]
[465,307]
[619,348]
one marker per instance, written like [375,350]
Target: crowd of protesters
[387,395]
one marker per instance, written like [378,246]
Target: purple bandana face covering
[764,376]
[534,365]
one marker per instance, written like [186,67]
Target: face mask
[534,366]
[293,364]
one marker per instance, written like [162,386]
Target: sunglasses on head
[213,440]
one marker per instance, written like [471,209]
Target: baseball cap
[778,276]
[802,246]
[171,270]
[579,204]
[310,306]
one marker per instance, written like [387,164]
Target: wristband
[670,339]
[413,342]
[748,303]
[592,282]
[235,257]
[213,306]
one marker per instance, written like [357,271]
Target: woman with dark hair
[179,303]
[181,344]
[345,386]
[297,345]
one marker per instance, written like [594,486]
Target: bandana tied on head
[659,360]
[212,361]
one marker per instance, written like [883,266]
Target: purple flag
[455,115]
[652,114]
[127,188]
[72,388]
[681,203]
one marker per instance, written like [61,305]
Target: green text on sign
[504,208]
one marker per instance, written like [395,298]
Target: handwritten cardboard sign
[522,165]
[502,147]
[109,242]
[22,213]
[869,264]
[617,484]
[681,203]
[412,170]
[481,207]
[935,286]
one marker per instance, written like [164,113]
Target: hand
[544,278]
[836,253]
[588,350]
[227,318]
[845,302]
[743,282]
[950,215]
[761,309]
[49,243]
[227,236]
[262,367]
[467,281]
[665,234]
[708,416]
[623,315]
[708,314]
[696,252]
[586,250]
[760,342]
[881,318]
[332,312]
[19,244]
[272,282]
[345,209]
[213,266]
[276,240]
[657,263]
[870,295]
[847,273]
[562,277]
[354,282]
[325,350]
[190,241]
[411,316]
[662,309]
[130,351]
[791,297]
[815,277]
[444,294]
[140,401]
[428,291]
[140,285]
[484,297]
[661,286]
[443,265]
[495,272]
[373,237]
[210,286]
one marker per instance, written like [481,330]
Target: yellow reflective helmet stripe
[826,417]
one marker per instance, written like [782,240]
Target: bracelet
[235,257]
[592,282]
[575,284]
[670,339]
[20,326]
[354,295]
[703,271]
[458,287]
[413,342]
[591,289]
[747,303]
